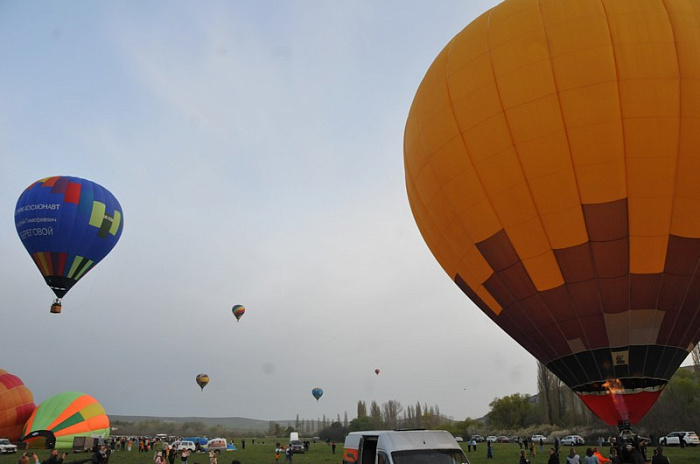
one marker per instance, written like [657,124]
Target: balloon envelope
[317,393]
[64,416]
[238,311]
[67,225]
[202,380]
[16,405]
[552,165]
[377,371]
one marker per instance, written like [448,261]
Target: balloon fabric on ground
[552,167]
[63,416]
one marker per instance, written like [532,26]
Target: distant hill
[233,423]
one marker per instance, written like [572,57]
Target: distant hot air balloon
[58,419]
[202,380]
[67,225]
[16,405]
[377,371]
[552,165]
[238,311]
[317,393]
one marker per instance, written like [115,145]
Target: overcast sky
[256,148]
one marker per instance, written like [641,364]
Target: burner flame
[615,390]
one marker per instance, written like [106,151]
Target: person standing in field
[659,457]
[523,458]
[278,451]
[184,454]
[553,456]
[573,457]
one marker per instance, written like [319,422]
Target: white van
[402,447]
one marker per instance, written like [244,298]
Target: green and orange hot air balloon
[60,418]
[16,405]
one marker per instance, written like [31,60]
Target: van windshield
[434,456]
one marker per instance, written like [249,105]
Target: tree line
[555,407]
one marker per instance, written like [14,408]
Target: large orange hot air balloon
[552,158]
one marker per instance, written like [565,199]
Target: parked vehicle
[492,438]
[183,444]
[477,438]
[459,439]
[572,440]
[502,439]
[536,439]
[402,446]
[297,446]
[6,446]
[219,444]
[674,439]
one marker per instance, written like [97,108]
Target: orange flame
[615,390]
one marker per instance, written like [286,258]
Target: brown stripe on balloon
[692,304]
[575,262]
[586,297]
[615,294]
[595,333]
[606,221]
[559,303]
[472,295]
[644,290]
[673,291]
[517,280]
[612,258]
[682,255]
[525,332]
[495,286]
[498,251]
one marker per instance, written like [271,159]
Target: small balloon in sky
[238,311]
[317,393]
[202,380]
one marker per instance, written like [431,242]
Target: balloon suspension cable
[56,306]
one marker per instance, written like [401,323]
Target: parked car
[297,446]
[536,439]
[459,439]
[183,444]
[477,438]
[674,439]
[6,446]
[492,438]
[572,440]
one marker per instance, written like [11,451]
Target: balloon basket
[56,307]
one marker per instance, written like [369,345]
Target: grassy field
[320,453]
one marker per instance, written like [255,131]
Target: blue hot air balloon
[67,225]
[317,392]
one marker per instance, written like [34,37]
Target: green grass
[320,453]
